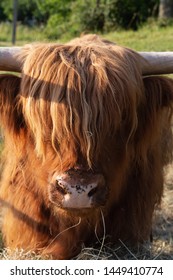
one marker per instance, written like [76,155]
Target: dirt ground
[160,248]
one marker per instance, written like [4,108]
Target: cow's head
[77,105]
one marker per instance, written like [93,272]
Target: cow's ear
[11,118]
[159,92]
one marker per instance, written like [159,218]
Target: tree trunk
[166,9]
[14,21]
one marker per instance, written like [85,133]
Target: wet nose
[80,190]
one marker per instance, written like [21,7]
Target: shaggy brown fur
[83,102]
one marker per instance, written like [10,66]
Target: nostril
[60,188]
[93,191]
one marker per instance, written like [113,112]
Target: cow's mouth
[76,190]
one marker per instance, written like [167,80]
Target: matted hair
[80,93]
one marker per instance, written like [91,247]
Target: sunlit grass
[24,34]
[151,37]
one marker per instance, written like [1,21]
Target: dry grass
[161,247]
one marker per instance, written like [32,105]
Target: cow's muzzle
[76,189]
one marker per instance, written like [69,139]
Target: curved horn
[157,63]
[9,59]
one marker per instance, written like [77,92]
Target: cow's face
[85,188]
[79,105]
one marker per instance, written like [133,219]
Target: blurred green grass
[151,37]
[148,38]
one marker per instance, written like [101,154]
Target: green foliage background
[76,16]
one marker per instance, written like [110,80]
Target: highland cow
[87,135]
